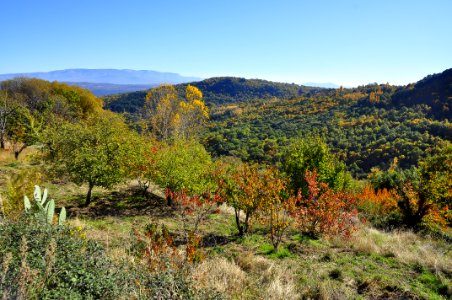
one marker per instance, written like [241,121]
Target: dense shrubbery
[43,261]
[424,193]
[379,207]
[165,271]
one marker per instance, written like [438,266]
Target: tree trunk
[169,199]
[19,151]
[88,195]
[2,142]
[247,217]
[237,222]
[2,210]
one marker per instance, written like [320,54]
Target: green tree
[184,165]
[313,155]
[24,129]
[95,151]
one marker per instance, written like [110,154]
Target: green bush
[42,261]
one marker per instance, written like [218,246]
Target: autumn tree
[170,116]
[232,179]
[161,107]
[193,112]
[251,190]
[323,211]
[278,206]
[95,151]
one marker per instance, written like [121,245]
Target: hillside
[434,91]
[366,126]
[362,134]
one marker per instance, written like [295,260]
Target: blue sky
[347,42]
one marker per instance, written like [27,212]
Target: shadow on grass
[126,203]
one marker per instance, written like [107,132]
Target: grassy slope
[373,264]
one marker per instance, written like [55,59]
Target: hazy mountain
[327,85]
[111,76]
[104,89]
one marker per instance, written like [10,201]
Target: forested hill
[218,91]
[434,90]
[224,90]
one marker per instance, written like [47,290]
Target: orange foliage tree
[325,212]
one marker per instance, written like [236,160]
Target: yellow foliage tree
[171,117]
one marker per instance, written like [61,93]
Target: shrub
[195,210]
[163,273]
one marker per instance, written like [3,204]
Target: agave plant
[45,209]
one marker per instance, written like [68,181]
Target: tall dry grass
[249,277]
[407,246]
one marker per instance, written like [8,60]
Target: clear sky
[347,42]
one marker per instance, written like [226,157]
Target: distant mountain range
[104,82]
[105,89]
[108,81]
[327,85]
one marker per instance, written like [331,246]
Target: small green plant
[272,252]
[44,208]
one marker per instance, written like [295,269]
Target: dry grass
[406,246]
[221,275]
[250,277]
[274,279]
